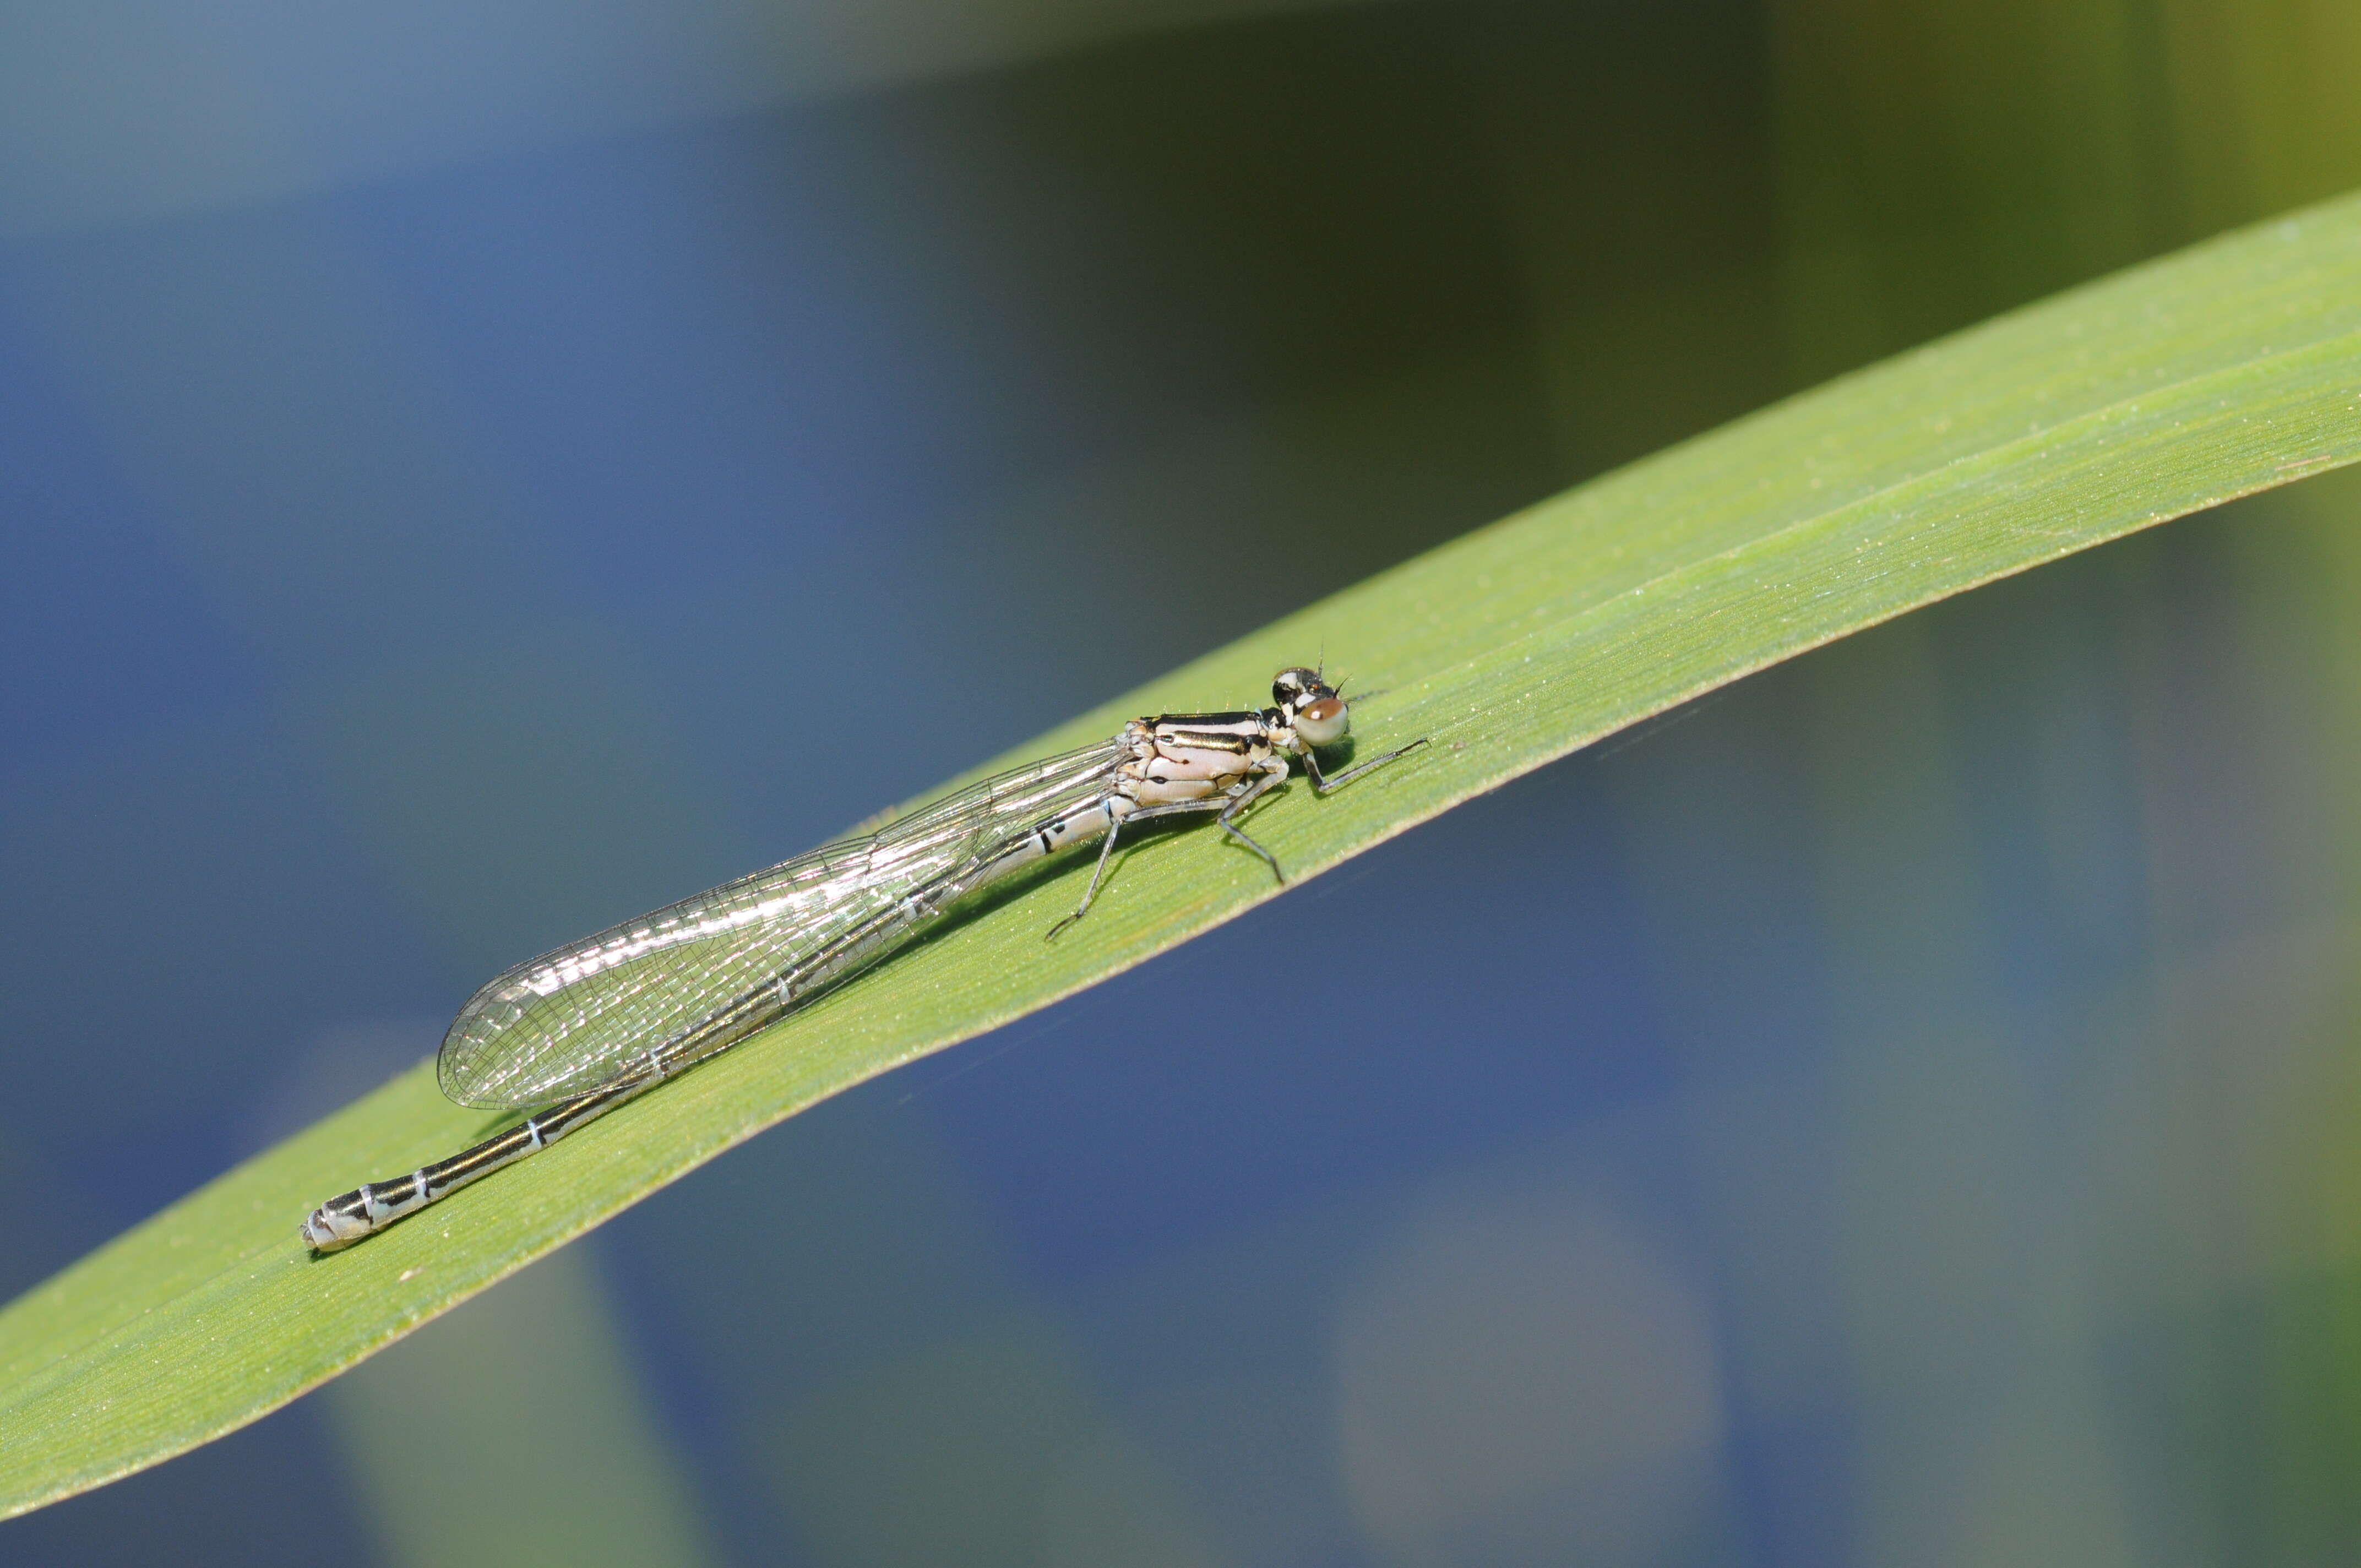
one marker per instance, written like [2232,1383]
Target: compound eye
[1322,721]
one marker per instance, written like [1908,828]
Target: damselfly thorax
[582,1029]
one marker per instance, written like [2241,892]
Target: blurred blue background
[1900,1112]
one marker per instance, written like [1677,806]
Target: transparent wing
[575,1018]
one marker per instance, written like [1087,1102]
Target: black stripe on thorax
[1235,732]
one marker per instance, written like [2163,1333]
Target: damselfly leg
[1324,786]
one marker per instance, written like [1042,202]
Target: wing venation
[575,1018]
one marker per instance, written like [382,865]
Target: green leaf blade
[2215,373]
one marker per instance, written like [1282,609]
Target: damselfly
[582,1029]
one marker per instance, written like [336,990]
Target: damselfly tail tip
[337,1223]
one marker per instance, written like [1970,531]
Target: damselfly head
[1292,687]
[1319,716]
